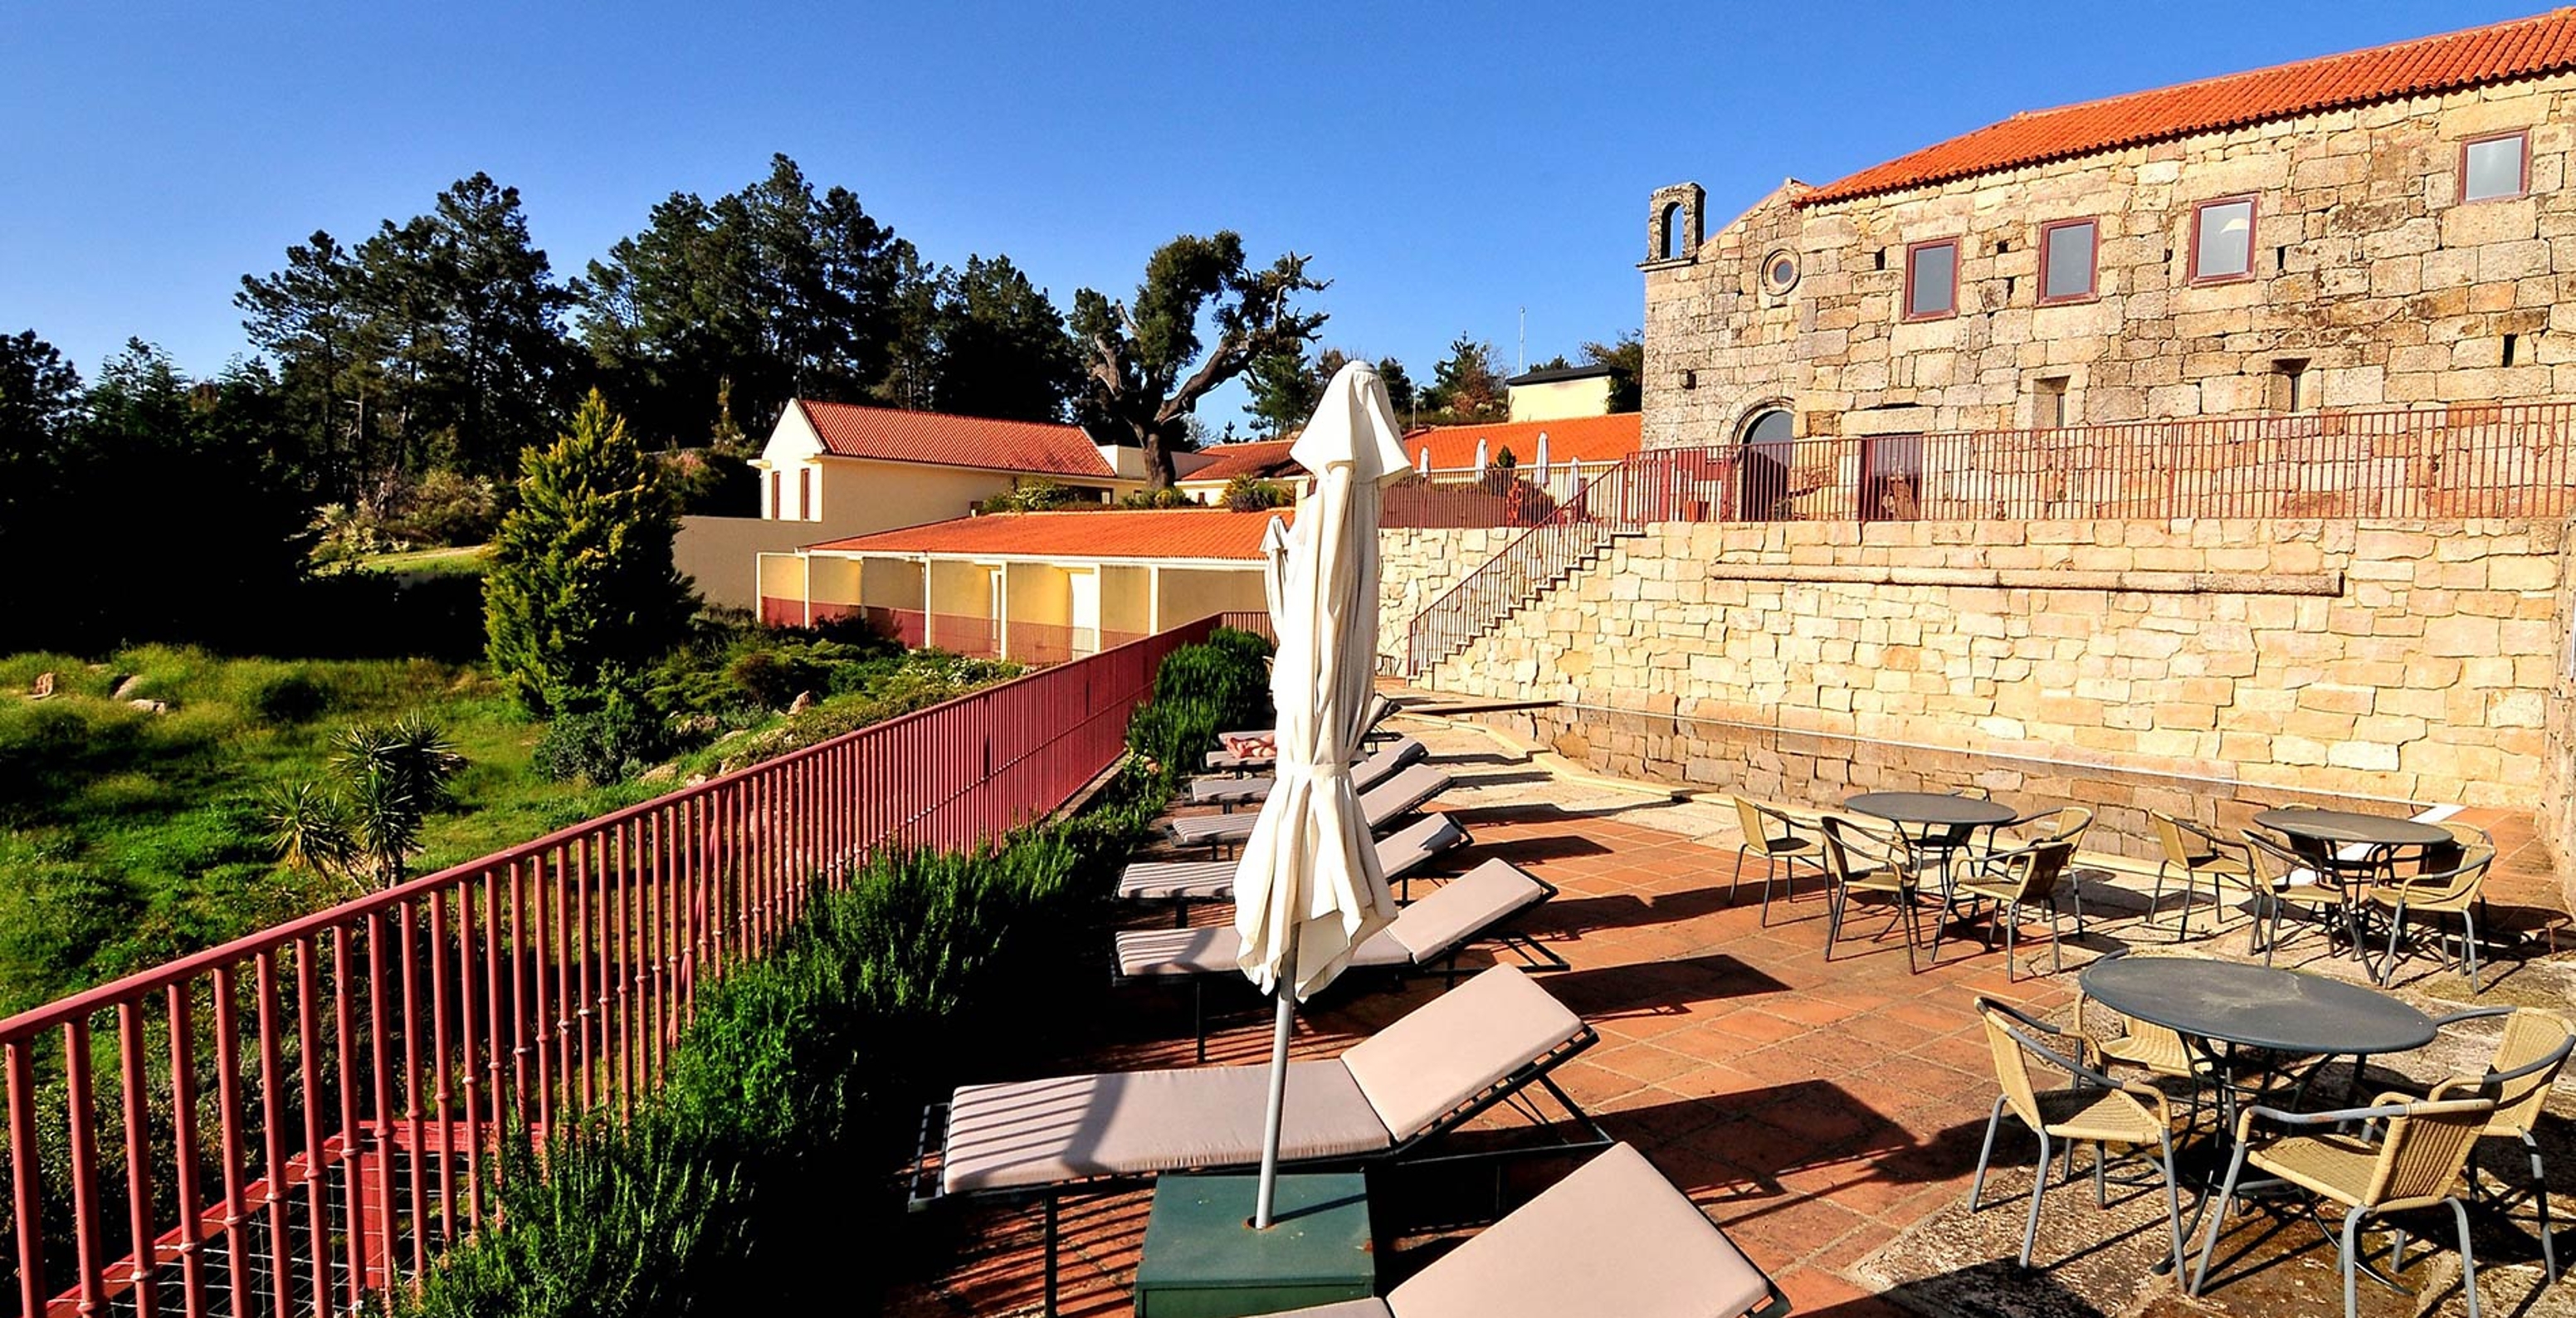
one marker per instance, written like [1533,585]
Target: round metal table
[2241,1005]
[2220,1006]
[2346,827]
[1929,810]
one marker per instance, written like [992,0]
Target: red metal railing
[280,1124]
[2483,460]
[1257,623]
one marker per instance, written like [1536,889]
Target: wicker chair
[1864,861]
[2096,1110]
[2194,851]
[2528,1058]
[2023,877]
[2453,892]
[2416,1163]
[1783,843]
[2286,880]
[2066,823]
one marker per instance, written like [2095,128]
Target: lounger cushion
[1038,1132]
[1369,1308]
[1613,1238]
[1400,853]
[1447,1051]
[1212,951]
[1463,908]
[1366,774]
[1406,791]
[1185,879]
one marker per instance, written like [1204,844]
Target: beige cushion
[1346,1309]
[1613,1238]
[1366,774]
[1039,1132]
[1464,908]
[1178,878]
[1448,1050]
[1400,853]
[1401,794]
[1213,951]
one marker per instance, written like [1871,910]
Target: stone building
[2390,227]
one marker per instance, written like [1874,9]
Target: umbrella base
[1202,1259]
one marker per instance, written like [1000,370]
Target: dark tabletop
[1936,808]
[2257,1006]
[2340,826]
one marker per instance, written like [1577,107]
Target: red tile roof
[2522,48]
[1569,439]
[1111,533]
[1266,459]
[893,435]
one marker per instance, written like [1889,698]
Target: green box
[1202,1259]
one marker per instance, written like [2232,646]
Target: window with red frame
[2222,240]
[777,499]
[2495,168]
[2067,260]
[1932,279]
[804,494]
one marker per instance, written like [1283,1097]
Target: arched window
[1676,231]
[1768,455]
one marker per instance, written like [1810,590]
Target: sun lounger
[1232,790]
[1489,1040]
[1409,790]
[1425,936]
[1181,882]
[1613,1238]
[1228,757]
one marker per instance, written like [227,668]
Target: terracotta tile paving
[1816,1109]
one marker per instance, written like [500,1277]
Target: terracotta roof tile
[2544,43]
[1110,533]
[1569,439]
[1266,458]
[892,435]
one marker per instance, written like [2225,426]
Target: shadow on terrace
[1827,1114]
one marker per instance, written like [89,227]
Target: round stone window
[1780,271]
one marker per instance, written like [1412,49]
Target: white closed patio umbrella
[1309,889]
[1274,567]
[1423,465]
[1539,475]
[1481,457]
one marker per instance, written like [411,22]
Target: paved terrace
[1827,1115]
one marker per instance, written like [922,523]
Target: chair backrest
[2034,870]
[2276,866]
[2532,1038]
[2066,824]
[2182,845]
[1749,818]
[2013,1035]
[2448,888]
[2427,1144]
[1852,847]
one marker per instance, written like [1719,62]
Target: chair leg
[1739,873]
[2173,1200]
[2351,1248]
[2540,1195]
[1770,871]
[1994,1120]
[2038,1187]
[2468,1256]
[1835,897]
[2469,946]
[2057,938]
[2216,1211]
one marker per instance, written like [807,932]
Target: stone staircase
[1522,574]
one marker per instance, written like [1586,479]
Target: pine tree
[582,586]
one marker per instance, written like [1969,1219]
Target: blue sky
[1445,165]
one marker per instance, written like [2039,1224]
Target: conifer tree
[582,587]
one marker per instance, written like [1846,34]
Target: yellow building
[1558,393]
[833,469]
[1038,588]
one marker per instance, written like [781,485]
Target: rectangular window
[2495,168]
[804,494]
[2048,404]
[2066,261]
[1932,279]
[2290,394]
[777,504]
[2222,240]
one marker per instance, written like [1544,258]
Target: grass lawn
[129,836]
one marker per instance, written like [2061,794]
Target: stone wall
[2367,268]
[1419,565]
[2194,665]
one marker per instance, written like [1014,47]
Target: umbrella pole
[1287,995]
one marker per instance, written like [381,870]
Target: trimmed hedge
[757,1179]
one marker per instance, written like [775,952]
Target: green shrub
[1249,494]
[285,697]
[1170,496]
[604,737]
